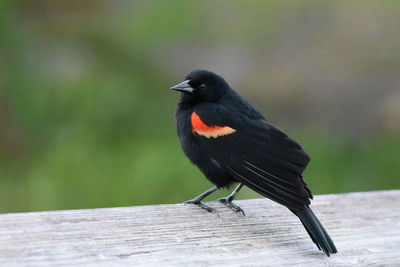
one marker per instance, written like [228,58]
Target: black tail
[316,231]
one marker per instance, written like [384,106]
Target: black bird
[231,142]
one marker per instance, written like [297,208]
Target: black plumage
[231,142]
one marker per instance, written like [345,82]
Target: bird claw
[235,208]
[201,205]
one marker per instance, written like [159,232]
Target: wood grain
[365,227]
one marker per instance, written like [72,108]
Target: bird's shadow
[258,226]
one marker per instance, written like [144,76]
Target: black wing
[259,155]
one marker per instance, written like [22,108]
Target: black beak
[183,87]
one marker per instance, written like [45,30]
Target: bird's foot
[201,205]
[228,202]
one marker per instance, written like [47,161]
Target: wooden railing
[365,227]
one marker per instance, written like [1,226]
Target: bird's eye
[202,86]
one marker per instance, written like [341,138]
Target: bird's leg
[228,200]
[197,200]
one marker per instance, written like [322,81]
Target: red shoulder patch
[199,127]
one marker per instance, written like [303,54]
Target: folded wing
[256,154]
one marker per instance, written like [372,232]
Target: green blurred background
[86,117]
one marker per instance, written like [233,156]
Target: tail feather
[315,230]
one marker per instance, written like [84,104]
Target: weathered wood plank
[365,227]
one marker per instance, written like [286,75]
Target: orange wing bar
[199,127]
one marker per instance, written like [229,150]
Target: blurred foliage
[86,119]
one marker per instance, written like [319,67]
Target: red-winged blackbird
[231,142]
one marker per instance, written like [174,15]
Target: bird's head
[202,86]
